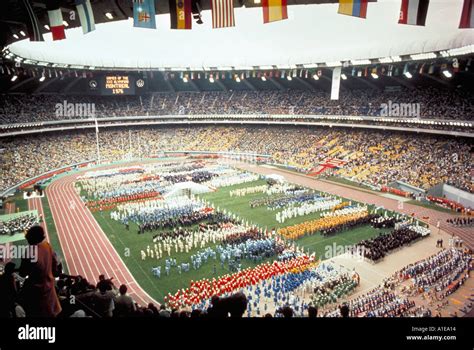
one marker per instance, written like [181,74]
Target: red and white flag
[56,24]
[414,12]
[222,13]
[467,15]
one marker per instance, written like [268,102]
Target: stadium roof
[312,34]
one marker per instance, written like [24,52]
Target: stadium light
[109,15]
[315,76]
[375,75]
[447,73]
[15,77]
[343,76]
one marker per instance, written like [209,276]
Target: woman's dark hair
[196,313]
[123,289]
[237,304]
[344,310]
[35,235]
[312,312]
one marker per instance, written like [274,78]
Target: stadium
[236,158]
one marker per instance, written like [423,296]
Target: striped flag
[274,10]
[86,16]
[467,18]
[414,12]
[180,14]
[355,8]
[32,24]
[222,13]
[144,14]
[56,20]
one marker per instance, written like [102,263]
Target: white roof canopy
[312,34]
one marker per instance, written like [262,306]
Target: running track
[465,233]
[87,250]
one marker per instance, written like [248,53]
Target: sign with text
[118,85]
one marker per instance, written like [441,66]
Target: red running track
[87,250]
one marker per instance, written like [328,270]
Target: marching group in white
[234,178]
[169,246]
[241,192]
[320,204]
[155,208]
[345,211]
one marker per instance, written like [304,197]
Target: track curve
[86,248]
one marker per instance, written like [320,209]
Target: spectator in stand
[9,288]
[104,301]
[39,293]
[164,313]
[124,304]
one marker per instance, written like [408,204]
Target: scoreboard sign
[118,85]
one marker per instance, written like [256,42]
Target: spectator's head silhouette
[35,235]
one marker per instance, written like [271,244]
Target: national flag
[32,25]
[414,12]
[222,13]
[467,18]
[55,20]
[274,10]
[180,13]
[86,16]
[355,8]
[144,14]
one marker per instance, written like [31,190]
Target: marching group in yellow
[313,226]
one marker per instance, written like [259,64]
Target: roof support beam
[194,85]
[305,83]
[436,79]
[44,85]
[221,85]
[21,83]
[72,83]
[276,83]
[249,84]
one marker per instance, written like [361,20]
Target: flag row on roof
[412,12]
[371,71]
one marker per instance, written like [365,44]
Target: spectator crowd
[434,104]
[378,158]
